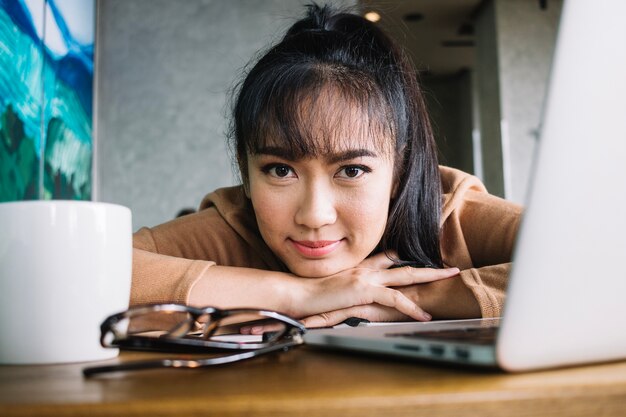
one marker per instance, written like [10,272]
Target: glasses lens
[171,327]
[158,323]
[249,327]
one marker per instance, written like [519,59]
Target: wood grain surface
[312,382]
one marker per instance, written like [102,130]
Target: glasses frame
[291,336]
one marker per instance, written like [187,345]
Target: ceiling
[438,34]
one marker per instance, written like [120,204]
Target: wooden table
[311,382]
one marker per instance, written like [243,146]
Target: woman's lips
[315,249]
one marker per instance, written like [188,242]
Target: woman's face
[325,214]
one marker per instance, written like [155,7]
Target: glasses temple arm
[185,363]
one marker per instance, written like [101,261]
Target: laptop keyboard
[475,335]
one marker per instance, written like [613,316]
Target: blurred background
[164,71]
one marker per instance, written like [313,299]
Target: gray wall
[526,40]
[515,43]
[164,69]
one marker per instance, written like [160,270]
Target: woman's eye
[353,171]
[279,171]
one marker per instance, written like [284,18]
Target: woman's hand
[367,289]
[444,299]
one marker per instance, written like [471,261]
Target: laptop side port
[437,350]
[414,348]
[462,353]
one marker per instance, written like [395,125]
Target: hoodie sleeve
[478,235]
[170,258]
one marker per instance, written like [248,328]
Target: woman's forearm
[230,287]
[371,283]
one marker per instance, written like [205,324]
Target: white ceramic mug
[64,267]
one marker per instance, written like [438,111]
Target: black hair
[365,71]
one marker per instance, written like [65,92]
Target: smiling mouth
[315,249]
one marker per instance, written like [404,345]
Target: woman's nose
[316,208]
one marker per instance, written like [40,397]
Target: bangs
[322,110]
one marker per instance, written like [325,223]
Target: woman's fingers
[394,298]
[368,284]
[406,275]
[332,318]
[342,292]
[370,312]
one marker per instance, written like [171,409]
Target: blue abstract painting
[46,94]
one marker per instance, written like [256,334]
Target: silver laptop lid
[566,301]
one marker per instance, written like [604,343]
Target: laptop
[566,297]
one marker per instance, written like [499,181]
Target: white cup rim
[60,203]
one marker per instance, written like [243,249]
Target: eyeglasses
[182,329]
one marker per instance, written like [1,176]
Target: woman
[344,211]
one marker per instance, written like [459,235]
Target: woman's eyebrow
[331,158]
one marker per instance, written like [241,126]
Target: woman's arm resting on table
[474,293]
[370,283]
